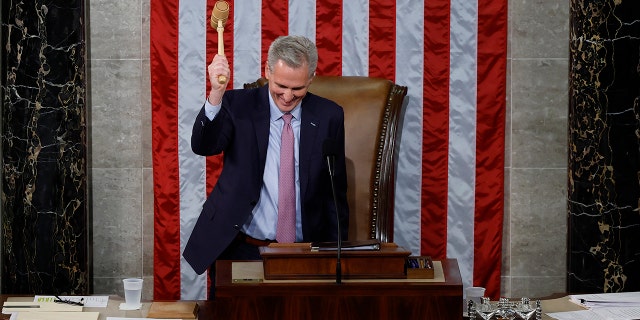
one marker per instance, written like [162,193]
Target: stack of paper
[52,315]
[603,306]
[47,310]
[346,245]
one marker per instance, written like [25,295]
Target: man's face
[287,85]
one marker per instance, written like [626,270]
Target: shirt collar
[276,114]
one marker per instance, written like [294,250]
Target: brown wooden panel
[348,300]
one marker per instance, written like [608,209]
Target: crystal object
[505,309]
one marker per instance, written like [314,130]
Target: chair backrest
[372,111]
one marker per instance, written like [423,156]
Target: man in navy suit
[244,125]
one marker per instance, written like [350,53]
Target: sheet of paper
[13,306]
[620,299]
[608,313]
[576,315]
[618,313]
[89,301]
[58,315]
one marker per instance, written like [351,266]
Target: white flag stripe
[302,18]
[409,72]
[191,90]
[355,38]
[462,135]
[247,38]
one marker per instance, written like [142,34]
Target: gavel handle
[221,79]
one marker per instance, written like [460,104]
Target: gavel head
[220,12]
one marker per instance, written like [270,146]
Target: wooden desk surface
[112,310]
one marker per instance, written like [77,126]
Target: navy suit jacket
[241,131]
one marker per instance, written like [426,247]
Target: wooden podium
[439,298]
[298,262]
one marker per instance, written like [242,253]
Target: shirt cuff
[211,110]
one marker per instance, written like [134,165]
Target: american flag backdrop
[451,54]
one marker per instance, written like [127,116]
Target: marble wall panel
[537,239]
[538,287]
[147,222]
[116,29]
[118,240]
[538,226]
[539,29]
[604,146]
[45,238]
[116,114]
[536,151]
[505,272]
[121,138]
[539,113]
[117,222]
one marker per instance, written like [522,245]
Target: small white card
[89,301]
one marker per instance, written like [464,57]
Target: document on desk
[366,245]
[13,307]
[604,313]
[603,306]
[55,315]
[616,299]
[89,301]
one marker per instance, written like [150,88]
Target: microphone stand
[335,203]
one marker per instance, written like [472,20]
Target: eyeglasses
[67,301]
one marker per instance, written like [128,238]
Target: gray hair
[294,51]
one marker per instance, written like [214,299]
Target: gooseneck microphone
[330,150]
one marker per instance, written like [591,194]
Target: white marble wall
[120,144]
[534,260]
[120,141]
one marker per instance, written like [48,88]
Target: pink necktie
[286,230]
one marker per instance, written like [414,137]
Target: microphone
[219,15]
[329,150]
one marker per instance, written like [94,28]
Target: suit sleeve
[210,137]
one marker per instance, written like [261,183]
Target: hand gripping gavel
[219,16]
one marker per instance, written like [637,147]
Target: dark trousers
[237,250]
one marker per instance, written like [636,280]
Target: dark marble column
[604,147]
[45,231]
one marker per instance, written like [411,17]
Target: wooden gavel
[219,16]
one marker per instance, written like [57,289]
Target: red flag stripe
[382,39]
[329,37]
[489,205]
[435,129]
[164,77]
[275,23]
